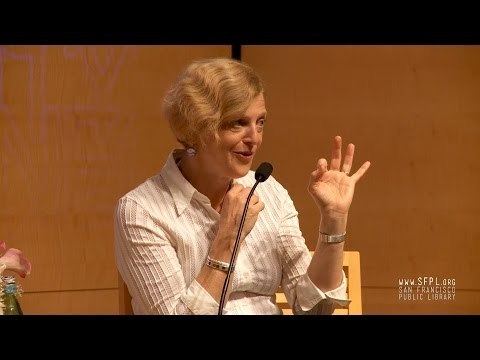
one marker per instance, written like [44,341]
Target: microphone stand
[235,250]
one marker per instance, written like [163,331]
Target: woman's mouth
[244,155]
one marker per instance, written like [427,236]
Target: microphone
[263,171]
[261,174]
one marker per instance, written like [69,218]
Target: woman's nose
[252,134]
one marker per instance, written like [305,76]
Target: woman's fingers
[348,160]
[322,167]
[258,206]
[361,171]
[336,153]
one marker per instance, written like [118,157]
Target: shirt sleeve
[301,293]
[148,264]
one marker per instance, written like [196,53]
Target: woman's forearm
[325,269]
[212,280]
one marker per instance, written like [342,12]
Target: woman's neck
[206,182]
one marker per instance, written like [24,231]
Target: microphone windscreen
[263,171]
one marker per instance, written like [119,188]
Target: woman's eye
[238,124]
[241,123]
[260,124]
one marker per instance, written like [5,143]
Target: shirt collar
[180,188]
[182,191]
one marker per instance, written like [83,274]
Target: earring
[191,151]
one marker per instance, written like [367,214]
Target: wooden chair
[124,298]
[351,266]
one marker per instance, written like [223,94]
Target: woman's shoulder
[147,193]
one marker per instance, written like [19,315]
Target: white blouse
[163,232]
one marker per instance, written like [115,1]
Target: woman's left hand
[332,188]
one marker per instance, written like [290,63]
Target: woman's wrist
[333,225]
[221,250]
[220,255]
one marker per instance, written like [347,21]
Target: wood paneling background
[414,112]
[81,125]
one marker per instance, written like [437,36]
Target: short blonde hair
[207,94]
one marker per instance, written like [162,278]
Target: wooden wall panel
[414,112]
[79,302]
[79,127]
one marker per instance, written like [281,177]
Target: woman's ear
[208,138]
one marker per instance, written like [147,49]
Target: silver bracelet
[219,265]
[332,239]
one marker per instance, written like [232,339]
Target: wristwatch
[332,239]
[219,265]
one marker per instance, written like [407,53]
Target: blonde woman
[172,231]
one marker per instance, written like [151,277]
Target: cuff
[309,295]
[199,300]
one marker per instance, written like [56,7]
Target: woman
[175,232]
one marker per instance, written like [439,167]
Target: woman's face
[238,140]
